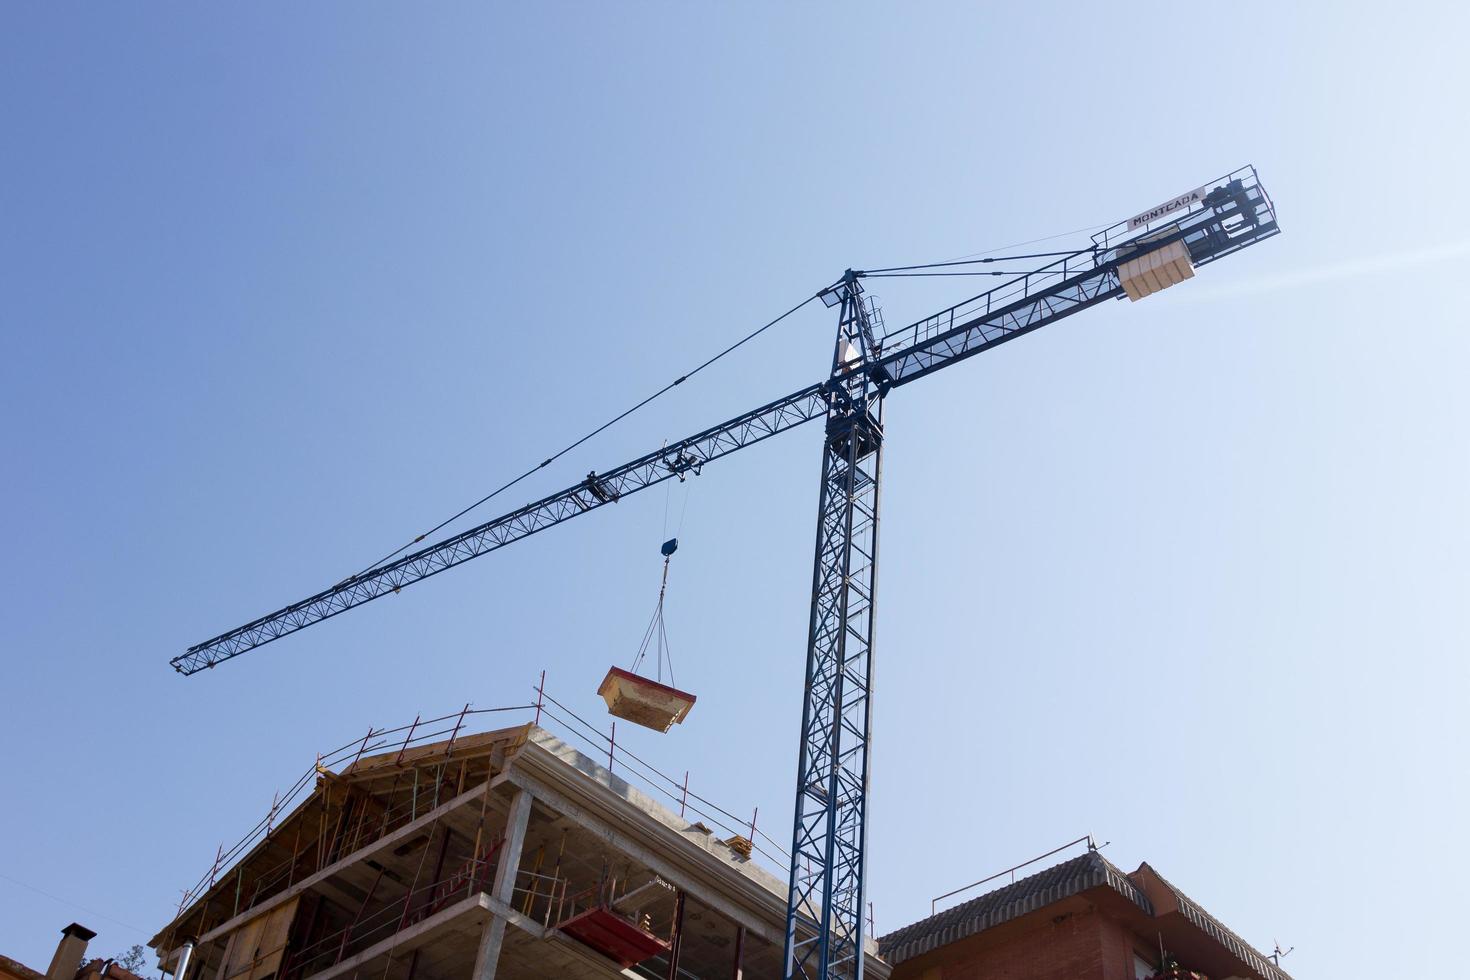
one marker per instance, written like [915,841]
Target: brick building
[1083,919]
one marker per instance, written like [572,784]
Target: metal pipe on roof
[186,952]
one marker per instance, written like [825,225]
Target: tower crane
[1136,257]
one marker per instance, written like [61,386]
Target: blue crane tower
[1148,252]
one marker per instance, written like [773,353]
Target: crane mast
[824,923]
[824,938]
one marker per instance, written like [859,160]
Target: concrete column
[503,889]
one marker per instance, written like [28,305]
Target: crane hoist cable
[637,697]
[683,481]
[657,635]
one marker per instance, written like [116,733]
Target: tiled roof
[16,968]
[1010,902]
[1216,930]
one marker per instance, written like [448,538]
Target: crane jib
[1235,213]
[673,460]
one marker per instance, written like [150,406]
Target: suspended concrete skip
[644,702]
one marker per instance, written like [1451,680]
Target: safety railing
[1238,212]
[1045,278]
[545,711]
[536,896]
[421,732]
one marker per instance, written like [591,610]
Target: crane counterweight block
[1155,270]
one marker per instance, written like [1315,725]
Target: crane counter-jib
[1232,214]
[1241,215]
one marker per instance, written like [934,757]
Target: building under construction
[511,854]
[502,854]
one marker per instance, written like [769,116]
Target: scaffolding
[394,848]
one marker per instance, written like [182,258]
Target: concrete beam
[615,838]
[468,911]
[476,908]
[593,961]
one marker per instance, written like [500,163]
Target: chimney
[69,952]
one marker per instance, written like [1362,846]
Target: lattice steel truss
[1236,215]
[674,460]
[824,921]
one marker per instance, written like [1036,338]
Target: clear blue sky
[281,285]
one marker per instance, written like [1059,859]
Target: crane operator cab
[643,700]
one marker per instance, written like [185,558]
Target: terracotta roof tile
[1217,930]
[19,969]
